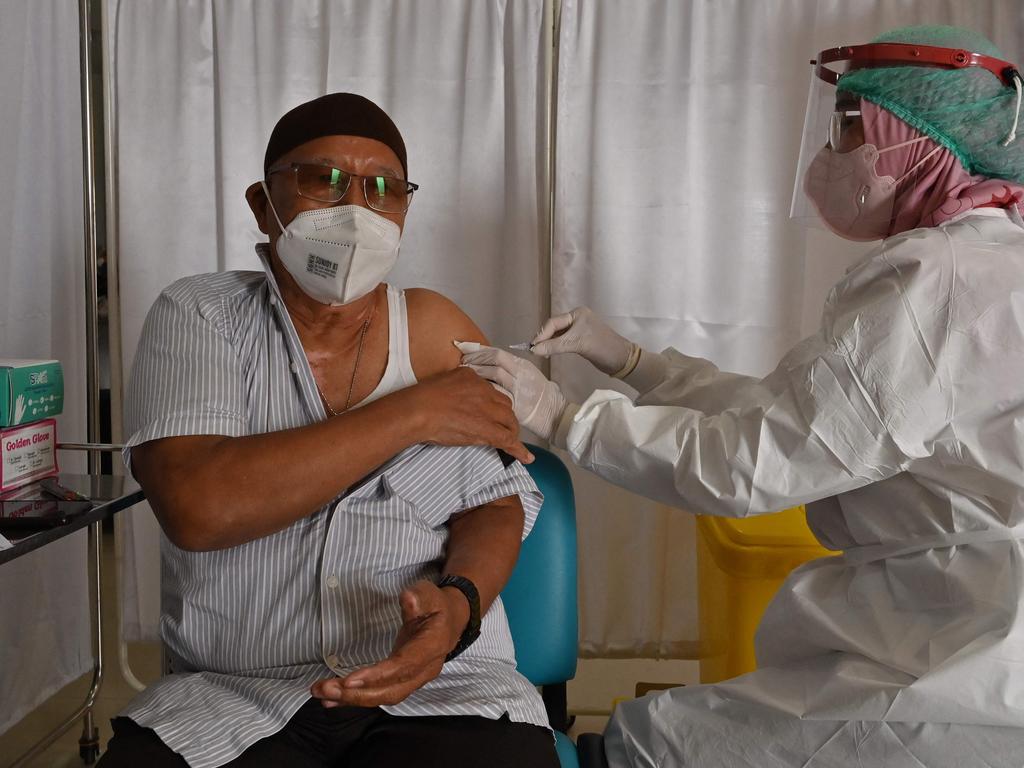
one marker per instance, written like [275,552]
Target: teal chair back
[541,598]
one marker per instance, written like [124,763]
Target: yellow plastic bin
[740,566]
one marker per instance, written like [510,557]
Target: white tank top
[398,374]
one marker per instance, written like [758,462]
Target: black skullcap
[336,114]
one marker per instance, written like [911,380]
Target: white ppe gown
[902,419]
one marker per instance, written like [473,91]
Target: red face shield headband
[902,54]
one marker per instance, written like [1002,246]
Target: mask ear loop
[1016,115]
[918,164]
[273,210]
[906,143]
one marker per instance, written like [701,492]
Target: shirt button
[332,581]
[273,301]
[332,661]
[293,366]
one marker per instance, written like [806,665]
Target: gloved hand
[538,403]
[583,332]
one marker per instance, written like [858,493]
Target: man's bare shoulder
[435,321]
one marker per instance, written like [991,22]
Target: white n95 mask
[337,254]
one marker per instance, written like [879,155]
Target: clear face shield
[837,186]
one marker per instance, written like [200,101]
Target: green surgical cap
[969,111]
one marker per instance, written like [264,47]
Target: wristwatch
[472,630]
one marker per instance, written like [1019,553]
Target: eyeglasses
[329,185]
[841,121]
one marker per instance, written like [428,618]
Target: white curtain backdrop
[198,87]
[44,607]
[678,130]
[678,125]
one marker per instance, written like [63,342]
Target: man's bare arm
[484,542]
[483,546]
[212,492]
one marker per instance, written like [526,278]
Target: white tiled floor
[598,682]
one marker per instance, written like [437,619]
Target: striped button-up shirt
[250,628]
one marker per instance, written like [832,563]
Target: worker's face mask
[337,254]
[853,200]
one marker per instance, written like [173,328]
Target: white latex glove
[583,332]
[538,403]
[19,409]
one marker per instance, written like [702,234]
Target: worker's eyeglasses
[842,120]
[329,185]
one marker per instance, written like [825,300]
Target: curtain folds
[45,639]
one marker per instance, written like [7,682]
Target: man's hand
[460,408]
[432,623]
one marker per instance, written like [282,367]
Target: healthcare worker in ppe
[900,423]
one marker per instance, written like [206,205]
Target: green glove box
[30,390]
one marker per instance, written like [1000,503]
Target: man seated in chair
[328,548]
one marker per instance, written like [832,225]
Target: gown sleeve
[849,406]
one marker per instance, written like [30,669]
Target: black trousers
[357,737]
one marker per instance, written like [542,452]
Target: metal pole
[553,25]
[89,740]
[112,232]
[548,59]
[92,366]
[550,41]
[105,447]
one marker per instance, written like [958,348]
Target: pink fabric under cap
[940,188]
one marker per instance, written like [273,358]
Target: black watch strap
[472,630]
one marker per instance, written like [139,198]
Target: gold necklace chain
[355,368]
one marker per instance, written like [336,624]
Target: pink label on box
[27,453]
